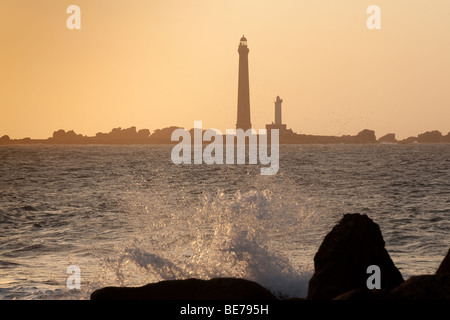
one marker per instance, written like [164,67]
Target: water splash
[241,235]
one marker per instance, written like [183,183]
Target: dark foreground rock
[425,287]
[444,267]
[363,295]
[189,289]
[346,252]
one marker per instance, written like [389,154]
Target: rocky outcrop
[430,137]
[363,294]
[344,256]
[446,138]
[356,242]
[409,140]
[388,138]
[5,139]
[189,289]
[444,267]
[425,287]
[366,136]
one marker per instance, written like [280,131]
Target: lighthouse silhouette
[243,107]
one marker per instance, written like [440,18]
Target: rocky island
[119,136]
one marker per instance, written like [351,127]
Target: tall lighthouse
[243,107]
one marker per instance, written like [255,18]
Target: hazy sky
[152,64]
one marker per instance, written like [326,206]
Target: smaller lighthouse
[278,122]
[278,103]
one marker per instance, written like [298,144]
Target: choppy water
[125,215]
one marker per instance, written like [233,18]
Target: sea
[128,216]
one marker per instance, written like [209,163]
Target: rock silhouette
[363,295]
[189,289]
[163,136]
[346,252]
[430,137]
[388,138]
[424,287]
[444,267]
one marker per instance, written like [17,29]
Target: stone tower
[243,108]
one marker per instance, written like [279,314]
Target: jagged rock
[163,135]
[446,138]
[366,136]
[143,133]
[430,136]
[69,135]
[388,138]
[410,140]
[189,289]
[346,252]
[363,295]
[425,287]
[5,139]
[444,268]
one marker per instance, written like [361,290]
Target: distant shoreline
[130,136]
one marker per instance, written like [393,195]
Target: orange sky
[152,64]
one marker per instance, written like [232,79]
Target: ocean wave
[222,237]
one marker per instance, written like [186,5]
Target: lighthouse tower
[278,103]
[243,107]
[278,125]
